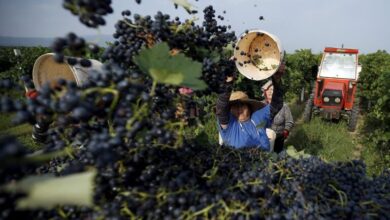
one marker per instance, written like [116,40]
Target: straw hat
[239,96]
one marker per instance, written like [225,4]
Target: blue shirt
[249,133]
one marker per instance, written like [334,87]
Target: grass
[21,132]
[376,158]
[376,161]
[6,122]
[328,140]
[332,142]
[296,109]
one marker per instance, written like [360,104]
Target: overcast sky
[300,24]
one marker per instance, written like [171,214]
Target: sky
[299,24]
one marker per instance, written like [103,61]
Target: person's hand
[282,68]
[285,133]
[278,75]
[185,91]
[229,79]
[227,85]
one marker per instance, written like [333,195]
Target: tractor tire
[39,133]
[308,108]
[352,122]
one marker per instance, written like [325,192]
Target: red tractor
[333,96]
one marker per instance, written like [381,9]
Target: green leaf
[185,26]
[215,56]
[228,50]
[292,152]
[185,4]
[175,70]
[48,191]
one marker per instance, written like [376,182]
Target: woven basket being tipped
[47,70]
[258,54]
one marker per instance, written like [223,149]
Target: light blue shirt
[249,133]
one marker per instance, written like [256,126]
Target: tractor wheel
[308,108]
[354,116]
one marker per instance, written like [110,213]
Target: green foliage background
[375,100]
[9,67]
[301,71]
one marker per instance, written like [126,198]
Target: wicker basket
[47,70]
[258,54]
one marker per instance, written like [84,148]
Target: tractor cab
[334,92]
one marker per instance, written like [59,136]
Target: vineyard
[127,144]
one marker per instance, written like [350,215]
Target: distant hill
[46,42]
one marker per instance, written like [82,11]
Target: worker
[243,121]
[283,120]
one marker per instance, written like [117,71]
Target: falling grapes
[127,127]
[89,12]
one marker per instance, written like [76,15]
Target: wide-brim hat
[239,96]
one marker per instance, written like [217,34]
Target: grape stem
[114,103]
[203,211]
[153,89]
[139,114]
[341,194]
[61,213]
[130,24]
[126,211]
[39,158]
[142,111]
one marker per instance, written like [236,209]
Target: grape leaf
[215,56]
[292,152]
[175,70]
[185,4]
[47,191]
[228,50]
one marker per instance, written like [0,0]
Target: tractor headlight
[326,99]
[337,100]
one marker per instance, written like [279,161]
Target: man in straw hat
[243,121]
